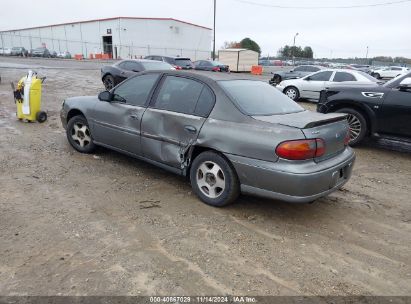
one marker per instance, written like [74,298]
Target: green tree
[308,52]
[250,44]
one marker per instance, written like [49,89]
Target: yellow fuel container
[35,112]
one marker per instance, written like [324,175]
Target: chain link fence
[89,49]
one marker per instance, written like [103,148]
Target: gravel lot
[106,224]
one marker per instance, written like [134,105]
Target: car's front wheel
[79,135]
[293,93]
[357,123]
[214,180]
[376,75]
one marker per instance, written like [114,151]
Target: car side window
[321,76]
[343,76]
[300,69]
[312,69]
[136,90]
[179,94]
[133,66]
[205,103]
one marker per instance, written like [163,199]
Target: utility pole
[366,56]
[295,36]
[215,4]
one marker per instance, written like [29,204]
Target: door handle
[134,116]
[190,129]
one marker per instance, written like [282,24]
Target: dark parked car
[40,52]
[209,65]
[19,51]
[298,72]
[112,75]
[179,63]
[376,110]
[227,134]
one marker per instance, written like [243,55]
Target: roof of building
[107,19]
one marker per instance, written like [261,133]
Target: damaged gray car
[227,134]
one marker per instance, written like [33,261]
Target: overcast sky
[340,32]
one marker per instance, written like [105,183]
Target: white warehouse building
[121,37]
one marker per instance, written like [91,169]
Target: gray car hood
[301,120]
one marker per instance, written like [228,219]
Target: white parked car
[310,86]
[5,51]
[389,72]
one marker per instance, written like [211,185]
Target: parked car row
[38,52]
[112,75]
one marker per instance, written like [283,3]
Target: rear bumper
[294,182]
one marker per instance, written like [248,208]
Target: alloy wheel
[210,179]
[80,133]
[108,83]
[355,126]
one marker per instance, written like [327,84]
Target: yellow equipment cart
[27,97]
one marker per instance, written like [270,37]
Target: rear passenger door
[174,119]
[314,84]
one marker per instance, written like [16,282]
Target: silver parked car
[227,134]
[310,86]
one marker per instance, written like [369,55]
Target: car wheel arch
[74,112]
[196,150]
[363,109]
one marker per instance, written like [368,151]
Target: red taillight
[301,149]
[216,69]
[177,67]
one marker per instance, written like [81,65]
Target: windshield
[369,77]
[156,65]
[183,62]
[389,83]
[259,98]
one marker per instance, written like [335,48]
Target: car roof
[207,76]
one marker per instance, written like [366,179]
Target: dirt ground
[107,224]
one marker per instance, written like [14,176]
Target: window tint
[169,60]
[342,76]
[300,69]
[396,69]
[205,103]
[312,69]
[179,94]
[321,76]
[133,66]
[259,98]
[156,65]
[135,91]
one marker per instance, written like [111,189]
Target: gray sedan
[226,134]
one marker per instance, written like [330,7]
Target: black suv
[179,63]
[376,110]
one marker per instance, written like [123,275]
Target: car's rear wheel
[108,82]
[214,180]
[357,123]
[79,135]
[293,93]
[376,75]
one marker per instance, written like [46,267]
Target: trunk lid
[332,128]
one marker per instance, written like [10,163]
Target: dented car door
[174,119]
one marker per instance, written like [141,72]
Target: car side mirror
[405,84]
[105,96]
[136,71]
[307,78]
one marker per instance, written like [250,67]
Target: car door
[117,123]
[174,119]
[312,85]
[395,115]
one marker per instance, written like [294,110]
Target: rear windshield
[156,65]
[182,62]
[259,98]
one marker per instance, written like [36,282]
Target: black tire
[109,82]
[80,138]
[277,79]
[292,92]
[376,75]
[225,174]
[41,116]
[355,119]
